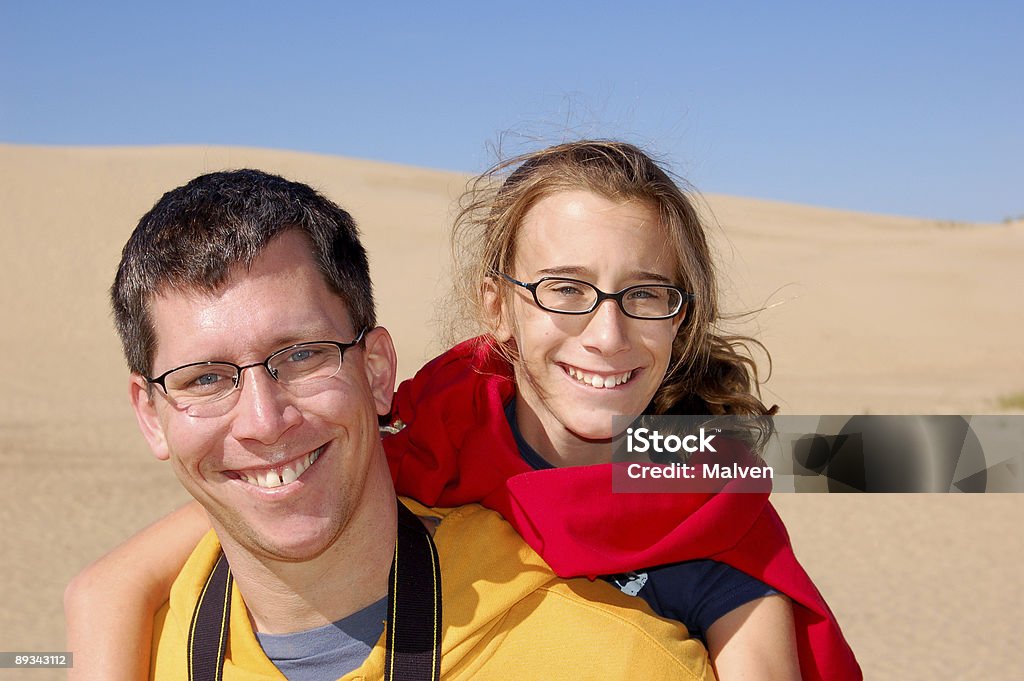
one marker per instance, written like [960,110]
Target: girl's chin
[602,427]
[593,432]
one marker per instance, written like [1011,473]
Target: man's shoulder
[473,541]
[176,614]
[173,622]
[193,575]
[600,633]
[507,615]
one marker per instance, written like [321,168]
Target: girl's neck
[556,444]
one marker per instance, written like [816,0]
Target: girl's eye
[562,287]
[645,293]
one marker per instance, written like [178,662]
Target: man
[245,309]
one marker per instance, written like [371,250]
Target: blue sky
[910,108]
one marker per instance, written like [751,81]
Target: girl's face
[577,371]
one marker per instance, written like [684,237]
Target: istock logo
[644,440]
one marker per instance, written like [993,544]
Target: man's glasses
[572,296]
[200,388]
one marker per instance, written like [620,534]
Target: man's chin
[290,552]
[295,544]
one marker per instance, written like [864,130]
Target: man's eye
[301,355]
[204,382]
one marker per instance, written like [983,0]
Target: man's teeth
[595,381]
[276,477]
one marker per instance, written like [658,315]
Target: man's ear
[145,414]
[496,311]
[381,367]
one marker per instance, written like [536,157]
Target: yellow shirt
[505,616]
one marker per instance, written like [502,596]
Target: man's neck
[286,597]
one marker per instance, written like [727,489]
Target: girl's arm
[110,605]
[755,642]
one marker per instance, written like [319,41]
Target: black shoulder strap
[414,605]
[414,612]
[208,632]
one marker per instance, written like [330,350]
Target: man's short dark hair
[196,234]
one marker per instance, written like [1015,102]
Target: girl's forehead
[580,229]
[583,204]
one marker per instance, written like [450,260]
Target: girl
[590,270]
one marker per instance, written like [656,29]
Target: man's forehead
[255,310]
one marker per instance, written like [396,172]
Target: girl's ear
[496,311]
[678,320]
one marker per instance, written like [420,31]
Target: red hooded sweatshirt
[455,447]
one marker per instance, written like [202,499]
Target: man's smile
[279,475]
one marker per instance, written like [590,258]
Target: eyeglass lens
[566,295]
[194,386]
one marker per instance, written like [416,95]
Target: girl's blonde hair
[708,372]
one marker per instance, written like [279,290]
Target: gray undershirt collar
[327,652]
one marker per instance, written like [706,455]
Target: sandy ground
[862,314]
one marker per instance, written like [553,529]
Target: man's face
[281,300]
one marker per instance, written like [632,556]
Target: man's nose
[265,410]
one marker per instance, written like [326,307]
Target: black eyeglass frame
[342,347]
[684,296]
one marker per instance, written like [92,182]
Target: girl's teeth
[598,381]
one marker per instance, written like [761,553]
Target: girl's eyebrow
[566,270]
[578,272]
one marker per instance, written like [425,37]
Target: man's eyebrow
[306,334]
[579,272]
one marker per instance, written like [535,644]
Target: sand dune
[863,314]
